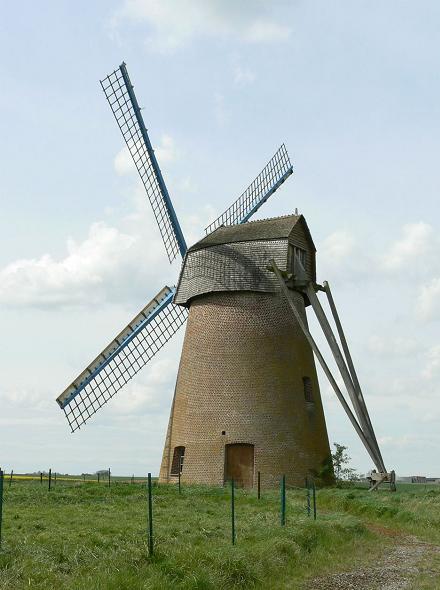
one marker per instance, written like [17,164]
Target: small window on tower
[308,391]
[301,254]
[177,464]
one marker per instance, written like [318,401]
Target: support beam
[350,364]
[309,337]
[340,361]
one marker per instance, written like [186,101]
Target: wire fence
[51,479]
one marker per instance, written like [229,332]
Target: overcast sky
[352,88]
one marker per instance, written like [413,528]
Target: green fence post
[55,479]
[283,500]
[308,497]
[314,501]
[10,479]
[259,485]
[150,516]
[50,479]
[1,505]
[233,510]
[109,477]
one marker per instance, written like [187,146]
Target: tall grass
[91,536]
[414,509]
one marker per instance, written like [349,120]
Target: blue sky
[352,88]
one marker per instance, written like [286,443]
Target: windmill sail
[265,184]
[122,100]
[143,337]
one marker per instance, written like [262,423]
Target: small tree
[341,461]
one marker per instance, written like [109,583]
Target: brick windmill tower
[247,396]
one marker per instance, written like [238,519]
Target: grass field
[89,536]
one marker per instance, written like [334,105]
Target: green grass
[414,509]
[83,536]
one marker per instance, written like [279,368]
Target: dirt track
[399,568]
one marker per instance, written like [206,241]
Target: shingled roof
[264,229]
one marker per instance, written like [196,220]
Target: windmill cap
[262,229]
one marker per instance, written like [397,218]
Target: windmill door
[239,464]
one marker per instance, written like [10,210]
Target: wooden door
[239,464]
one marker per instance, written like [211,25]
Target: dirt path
[399,568]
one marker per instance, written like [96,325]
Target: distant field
[89,536]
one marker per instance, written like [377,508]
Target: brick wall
[241,372]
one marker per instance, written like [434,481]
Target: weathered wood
[350,365]
[328,373]
[346,377]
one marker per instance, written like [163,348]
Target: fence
[52,478]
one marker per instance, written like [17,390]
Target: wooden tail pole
[150,516]
[346,377]
[350,365]
[323,364]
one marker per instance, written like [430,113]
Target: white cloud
[243,76]
[174,24]
[263,31]
[150,391]
[416,242]
[112,264]
[428,301]
[338,246]
[221,113]
[432,367]
[392,346]
[74,279]
[166,152]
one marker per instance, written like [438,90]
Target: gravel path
[395,570]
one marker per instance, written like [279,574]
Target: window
[177,464]
[301,255]
[308,391]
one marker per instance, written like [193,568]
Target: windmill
[247,395]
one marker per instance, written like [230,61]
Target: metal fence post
[109,477]
[98,476]
[10,478]
[50,479]
[150,516]
[233,510]
[259,485]
[41,477]
[1,505]
[283,500]
[308,497]
[314,501]
[55,479]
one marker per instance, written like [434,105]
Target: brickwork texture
[241,380]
